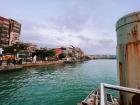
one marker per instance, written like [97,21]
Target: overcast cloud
[88,24]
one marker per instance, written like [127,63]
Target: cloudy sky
[88,24]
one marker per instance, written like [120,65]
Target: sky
[88,24]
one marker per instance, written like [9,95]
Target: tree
[10,49]
[61,56]
[41,54]
[20,46]
[50,53]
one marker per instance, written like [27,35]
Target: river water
[65,84]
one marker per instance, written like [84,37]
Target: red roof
[58,51]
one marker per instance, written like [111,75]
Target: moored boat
[71,61]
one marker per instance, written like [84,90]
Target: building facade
[15,30]
[9,31]
[4,31]
[31,47]
[28,47]
[72,51]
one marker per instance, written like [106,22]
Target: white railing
[88,96]
[115,87]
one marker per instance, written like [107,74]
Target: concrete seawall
[42,64]
[5,68]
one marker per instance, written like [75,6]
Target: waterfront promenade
[11,67]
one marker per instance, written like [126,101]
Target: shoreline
[41,64]
[10,68]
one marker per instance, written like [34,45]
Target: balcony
[16,32]
[5,31]
[6,22]
[4,39]
[4,35]
[1,25]
[17,26]
[16,29]
[5,26]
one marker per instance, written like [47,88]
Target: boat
[94,99]
[71,61]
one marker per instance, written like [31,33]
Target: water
[55,85]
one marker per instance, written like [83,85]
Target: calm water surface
[55,85]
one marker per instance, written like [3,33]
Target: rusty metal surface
[128,51]
[128,19]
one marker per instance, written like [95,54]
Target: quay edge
[10,68]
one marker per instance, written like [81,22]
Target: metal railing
[88,96]
[115,87]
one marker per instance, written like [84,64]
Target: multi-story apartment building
[9,32]
[15,29]
[4,31]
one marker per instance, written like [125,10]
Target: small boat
[71,61]
[94,99]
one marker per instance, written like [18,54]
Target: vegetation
[10,49]
[20,46]
[41,54]
[61,56]
[15,48]
[50,53]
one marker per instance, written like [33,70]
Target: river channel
[65,84]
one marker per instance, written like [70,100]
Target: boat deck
[94,99]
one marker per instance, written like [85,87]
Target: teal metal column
[128,53]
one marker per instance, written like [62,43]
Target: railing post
[102,96]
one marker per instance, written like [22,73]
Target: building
[72,51]
[58,51]
[15,29]
[4,31]
[26,49]
[31,47]
[9,31]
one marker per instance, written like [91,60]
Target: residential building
[15,30]
[26,49]
[58,51]
[9,31]
[4,31]
[73,51]
[31,47]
